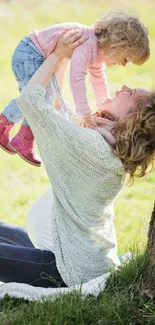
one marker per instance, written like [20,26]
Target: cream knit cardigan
[85,177]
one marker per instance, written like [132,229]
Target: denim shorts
[26,59]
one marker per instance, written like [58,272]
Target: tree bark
[149,269]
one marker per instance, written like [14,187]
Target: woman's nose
[124,87]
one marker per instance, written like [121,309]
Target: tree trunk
[149,269]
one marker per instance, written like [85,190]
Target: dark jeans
[21,262]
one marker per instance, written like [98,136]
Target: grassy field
[20,183]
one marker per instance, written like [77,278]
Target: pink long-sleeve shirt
[84,58]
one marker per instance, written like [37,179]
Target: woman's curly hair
[118,32]
[135,138]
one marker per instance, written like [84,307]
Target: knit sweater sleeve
[43,117]
[62,142]
[80,61]
[99,82]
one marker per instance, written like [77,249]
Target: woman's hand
[67,42]
[88,122]
[105,127]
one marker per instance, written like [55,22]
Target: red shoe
[23,144]
[5,127]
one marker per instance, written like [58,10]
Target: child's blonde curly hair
[118,32]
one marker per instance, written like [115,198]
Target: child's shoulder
[62,26]
[87,31]
[74,25]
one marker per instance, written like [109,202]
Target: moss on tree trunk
[149,270]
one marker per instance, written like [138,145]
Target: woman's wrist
[58,55]
[87,117]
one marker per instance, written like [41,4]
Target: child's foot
[5,127]
[23,144]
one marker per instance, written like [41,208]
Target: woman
[72,226]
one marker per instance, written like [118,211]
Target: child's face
[117,58]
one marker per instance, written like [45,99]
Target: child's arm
[80,61]
[99,82]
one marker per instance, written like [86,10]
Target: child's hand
[88,122]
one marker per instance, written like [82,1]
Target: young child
[116,38]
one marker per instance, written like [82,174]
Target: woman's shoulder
[104,152]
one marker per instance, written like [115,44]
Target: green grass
[122,303]
[21,184]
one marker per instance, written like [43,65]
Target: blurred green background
[20,183]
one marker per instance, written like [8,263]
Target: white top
[85,177]
[39,225]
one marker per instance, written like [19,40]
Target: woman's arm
[61,143]
[45,71]
[59,73]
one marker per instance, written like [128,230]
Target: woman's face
[124,100]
